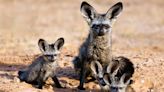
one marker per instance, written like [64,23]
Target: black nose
[51,58]
[101,32]
[114,89]
[102,82]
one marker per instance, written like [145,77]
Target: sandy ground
[137,34]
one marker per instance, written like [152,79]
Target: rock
[16,79]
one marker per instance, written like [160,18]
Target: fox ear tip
[84,2]
[41,39]
[61,38]
[120,4]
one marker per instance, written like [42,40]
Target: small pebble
[16,79]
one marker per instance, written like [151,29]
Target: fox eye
[106,26]
[114,88]
[48,55]
[120,87]
[55,54]
[94,26]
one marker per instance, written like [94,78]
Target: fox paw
[81,88]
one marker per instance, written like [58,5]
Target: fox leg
[56,82]
[82,76]
[39,84]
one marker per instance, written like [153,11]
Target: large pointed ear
[126,79]
[109,68]
[43,45]
[107,78]
[59,43]
[97,69]
[114,11]
[88,11]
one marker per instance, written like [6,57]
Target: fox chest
[99,53]
[49,68]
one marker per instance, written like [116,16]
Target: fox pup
[116,77]
[44,66]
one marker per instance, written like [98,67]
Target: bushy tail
[21,75]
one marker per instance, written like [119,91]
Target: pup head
[50,51]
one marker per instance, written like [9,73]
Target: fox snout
[101,81]
[114,89]
[101,33]
[50,58]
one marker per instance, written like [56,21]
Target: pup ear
[43,45]
[107,78]
[126,79]
[59,43]
[97,69]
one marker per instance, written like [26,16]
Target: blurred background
[138,34]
